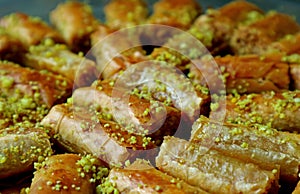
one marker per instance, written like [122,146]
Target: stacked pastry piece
[82,99]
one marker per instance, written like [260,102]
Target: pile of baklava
[173,100]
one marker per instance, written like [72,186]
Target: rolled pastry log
[62,173]
[135,114]
[278,110]
[80,131]
[212,171]
[258,144]
[20,147]
[143,178]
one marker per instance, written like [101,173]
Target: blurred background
[43,7]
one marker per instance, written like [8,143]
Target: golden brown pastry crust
[279,110]
[270,149]
[57,58]
[59,173]
[289,44]
[256,37]
[27,29]
[80,131]
[75,21]
[129,110]
[52,88]
[175,13]
[238,10]
[214,29]
[244,74]
[212,171]
[168,18]
[125,13]
[143,178]
[28,94]
[20,147]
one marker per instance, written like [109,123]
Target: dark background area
[43,7]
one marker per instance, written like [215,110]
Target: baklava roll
[256,37]
[64,173]
[279,110]
[141,177]
[212,171]
[81,131]
[215,28]
[244,74]
[75,21]
[167,85]
[125,13]
[57,58]
[176,13]
[171,84]
[258,144]
[20,147]
[136,114]
[27,29]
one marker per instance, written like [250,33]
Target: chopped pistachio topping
[252,17]
[293,58]
[204,34]
[3,159]
[107,187]
[127,163]
[132,140]
[244,145]
[6,82]
[169,56]
[88,164]
[157,188]
[274,171]
[214,106]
